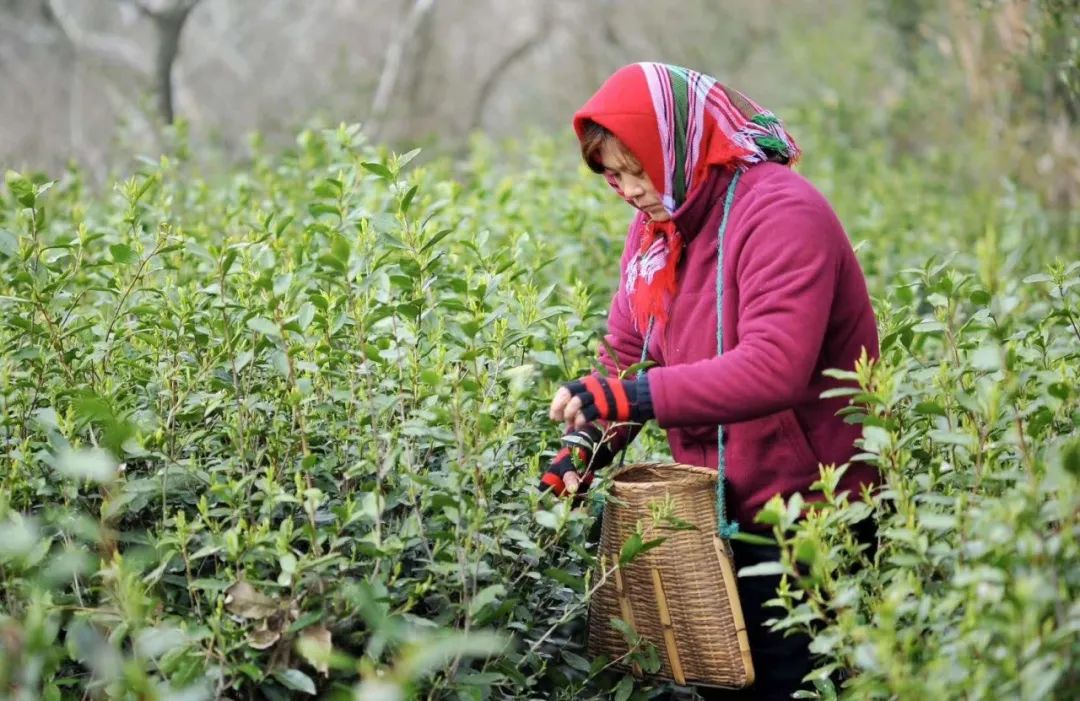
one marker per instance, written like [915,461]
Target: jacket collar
[694,213]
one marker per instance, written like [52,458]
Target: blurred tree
[169,18]
[500,67]
[392,62]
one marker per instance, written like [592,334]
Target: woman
[676,145]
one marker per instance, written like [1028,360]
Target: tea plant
[972,416]
[277,432]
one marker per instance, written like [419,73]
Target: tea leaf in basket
[677,524]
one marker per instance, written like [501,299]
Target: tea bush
[277,433]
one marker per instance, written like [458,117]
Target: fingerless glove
[584,452]
[612,399]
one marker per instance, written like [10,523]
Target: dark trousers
[780,661]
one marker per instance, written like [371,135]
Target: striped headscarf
[678,123]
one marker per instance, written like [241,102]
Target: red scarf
[677,123]
[651,274]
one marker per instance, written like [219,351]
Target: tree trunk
[169,24]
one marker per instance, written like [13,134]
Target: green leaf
[806,552]
[986,357]
[264,326]
[91,464]
[305,315]
[436,650]
[634,369]
[547,519]
[406,201]
[9,244]
[762,569]
[379,169]
[626,630]
[630,548]
[147,183]
[340,250]
[21,188]
[488,595]
[937,522]
[435,239]
[122,253]
[1070,458]
[634,547]
[754,539]
[404,158]
[329,188]
[18,536]
[624,688]
[564,577]
[318,209]
[296,680]
[930,408]
[576,661]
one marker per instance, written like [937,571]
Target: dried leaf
[315,646]
[263,638]
[242,600]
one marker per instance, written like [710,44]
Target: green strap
[727,528]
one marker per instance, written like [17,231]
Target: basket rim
[705,472]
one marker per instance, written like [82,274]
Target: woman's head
[674,124]
[606,155]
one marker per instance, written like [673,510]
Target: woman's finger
[558,404]
[571,411]
[571,482]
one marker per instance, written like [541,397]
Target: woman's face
[624,172]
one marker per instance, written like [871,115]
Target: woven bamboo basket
[679,596]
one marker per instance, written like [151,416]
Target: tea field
[276,432]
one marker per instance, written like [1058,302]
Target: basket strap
[725,527]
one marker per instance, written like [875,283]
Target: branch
[392,64]
[487,87]
[110,48]
[166,12]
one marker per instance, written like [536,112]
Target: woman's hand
[605,398]
[586,450]
[561,476]
[561,409]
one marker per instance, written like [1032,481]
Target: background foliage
[273,429]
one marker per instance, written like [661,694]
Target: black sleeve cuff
[644,398]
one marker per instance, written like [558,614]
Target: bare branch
[392,64]
[164,9]
[110,48]
[491,81]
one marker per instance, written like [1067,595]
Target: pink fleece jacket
[795,304]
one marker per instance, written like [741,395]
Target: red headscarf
[678,123]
